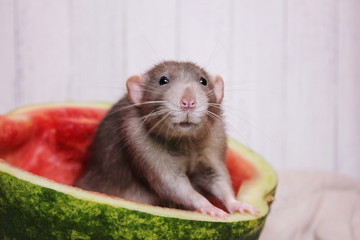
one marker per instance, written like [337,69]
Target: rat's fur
[142,153]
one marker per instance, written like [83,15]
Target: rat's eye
[203,81]
[164,80]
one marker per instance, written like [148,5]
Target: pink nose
[188,102]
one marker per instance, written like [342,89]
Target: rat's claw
[241,207]
[214,212]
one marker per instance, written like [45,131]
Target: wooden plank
[43,51]
[257,75]
[7,56]
[150,33]
[311,124]
[96,50]
[204,28]
[349,89]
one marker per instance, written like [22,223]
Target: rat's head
[177,99]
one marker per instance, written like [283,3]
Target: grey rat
[164,143]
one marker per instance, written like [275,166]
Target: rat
[164,143]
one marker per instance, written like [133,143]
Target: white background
[291,67]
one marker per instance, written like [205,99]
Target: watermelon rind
[28,108]
[33,207]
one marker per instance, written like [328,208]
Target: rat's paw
[214,212]
[241,207]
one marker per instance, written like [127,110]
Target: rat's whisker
[210,130]
[152,114]
[157,124]
[120,108]
[243,119]
[249,90]
[215,116]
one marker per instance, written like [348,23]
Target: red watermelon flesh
[54,142]
[50,142]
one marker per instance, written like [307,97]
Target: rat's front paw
[241,207]
[214,211]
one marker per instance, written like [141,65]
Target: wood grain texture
[150,33]
[311,121]
[203,34]
[43,51]
[257,76]
[7,56]
[97,51]
[349,89]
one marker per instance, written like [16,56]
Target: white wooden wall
[292,67]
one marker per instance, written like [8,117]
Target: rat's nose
[187,102]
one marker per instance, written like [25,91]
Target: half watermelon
[43,149]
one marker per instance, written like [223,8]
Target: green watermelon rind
[33,207]
[49,214]
[50,105]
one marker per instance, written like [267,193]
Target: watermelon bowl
[43,149]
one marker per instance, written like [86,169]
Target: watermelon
[43,149]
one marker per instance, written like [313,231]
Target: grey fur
[160,165]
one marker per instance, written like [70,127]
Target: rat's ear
[218,88]
[135,86]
